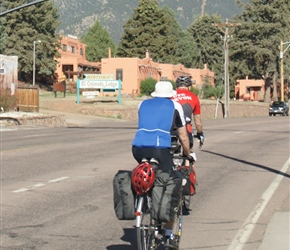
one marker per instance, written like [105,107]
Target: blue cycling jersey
[156,118]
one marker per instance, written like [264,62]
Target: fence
[28,98]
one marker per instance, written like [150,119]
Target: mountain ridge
[77,17]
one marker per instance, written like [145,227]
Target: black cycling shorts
[163,155]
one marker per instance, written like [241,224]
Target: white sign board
[93,84]
[90,93]
[109,77]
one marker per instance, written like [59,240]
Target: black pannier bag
[124,198]
[166,195]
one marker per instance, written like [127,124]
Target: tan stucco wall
[130,72]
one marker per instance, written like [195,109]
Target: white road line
[28,136]
[247,228]
[40,185]
[20,190]
[59,179]
[7,129]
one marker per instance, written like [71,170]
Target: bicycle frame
[140,201]
[150,233]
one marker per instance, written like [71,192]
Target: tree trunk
[267,97]
[275,95]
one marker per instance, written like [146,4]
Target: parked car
[280,108]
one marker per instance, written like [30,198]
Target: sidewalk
[277,235]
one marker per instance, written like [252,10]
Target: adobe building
[131,71]
[249,89]
[73,59]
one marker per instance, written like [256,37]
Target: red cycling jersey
[190,105]
[189,102]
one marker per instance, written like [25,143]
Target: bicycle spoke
[146,232]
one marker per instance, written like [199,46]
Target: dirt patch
[127,110]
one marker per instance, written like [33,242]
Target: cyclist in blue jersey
[158,117]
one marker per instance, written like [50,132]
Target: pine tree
[3,35]
[170,34]
[151,28]
[98,41]
[23,27]
[255,51]
[140,30]
[186,52]
[209,44]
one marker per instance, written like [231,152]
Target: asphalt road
[56,185]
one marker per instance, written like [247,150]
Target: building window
[64,47]
[73,49]
[81,51]
[119,74]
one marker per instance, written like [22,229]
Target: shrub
[147,86]
[194,90]
[208,91]
[7,101]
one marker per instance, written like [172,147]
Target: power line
[22,6]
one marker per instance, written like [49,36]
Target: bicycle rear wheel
[145,225]
[186,204]
[146,233]
[177,228]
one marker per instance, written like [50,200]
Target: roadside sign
[90,93]
[98,84]
[109,77]
[106,83]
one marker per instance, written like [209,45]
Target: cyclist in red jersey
[191,106]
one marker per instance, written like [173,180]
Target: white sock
[168,232]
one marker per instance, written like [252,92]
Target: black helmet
[183,81]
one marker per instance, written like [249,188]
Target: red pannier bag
[189,180]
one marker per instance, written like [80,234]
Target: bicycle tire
[146,233]
[187,202]
[177,226]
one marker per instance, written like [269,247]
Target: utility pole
[282,68]
[227,38]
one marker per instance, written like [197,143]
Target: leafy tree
[208,43]
[23,27]
[255,51]
[151,28]
[98,41]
